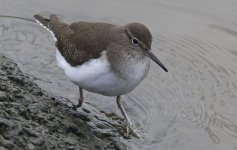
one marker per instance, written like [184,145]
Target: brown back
[80,41]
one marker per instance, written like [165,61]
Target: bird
[102,58]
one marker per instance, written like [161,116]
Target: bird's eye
[135,41]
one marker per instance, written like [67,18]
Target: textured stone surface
[31,118]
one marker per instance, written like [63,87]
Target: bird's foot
[74,107]
[130,129]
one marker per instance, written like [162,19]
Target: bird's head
[140,37]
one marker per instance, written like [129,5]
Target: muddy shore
[31,118]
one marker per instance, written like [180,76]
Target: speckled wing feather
[80,41]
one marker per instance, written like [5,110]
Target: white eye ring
[135,41]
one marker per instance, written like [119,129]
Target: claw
[74,107]
[130,129]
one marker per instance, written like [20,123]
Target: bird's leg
[80,100]
[129,126]
[120,106]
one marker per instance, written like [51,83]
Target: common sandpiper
[102,58]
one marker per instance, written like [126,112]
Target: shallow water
[191,107]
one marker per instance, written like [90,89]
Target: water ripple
[197,88]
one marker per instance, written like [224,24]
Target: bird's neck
[125,63]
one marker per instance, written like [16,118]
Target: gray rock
[31,118]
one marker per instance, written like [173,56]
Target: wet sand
[192,107]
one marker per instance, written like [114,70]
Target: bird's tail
[52,24]
[42,21]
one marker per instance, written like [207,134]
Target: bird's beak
[156,60]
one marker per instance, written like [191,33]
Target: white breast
[96,76]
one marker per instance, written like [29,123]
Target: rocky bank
[32,118]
